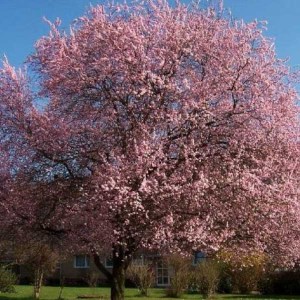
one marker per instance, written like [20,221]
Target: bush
[285,282]
[92,279]
[142,276]
[244,272]
[266,285]
[180,277]
[207,277]
[7,280]
[225,280]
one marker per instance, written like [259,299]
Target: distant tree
[35,254]
[162,128]
[40,259]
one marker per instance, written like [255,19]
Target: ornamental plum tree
[163,128]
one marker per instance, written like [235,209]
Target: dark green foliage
[7,280]
[225,284]
[286,282]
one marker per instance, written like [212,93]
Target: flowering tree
[164,128]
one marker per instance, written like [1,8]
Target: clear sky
[21,22]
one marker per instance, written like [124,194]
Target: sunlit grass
[24,292]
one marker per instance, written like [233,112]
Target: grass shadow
[237,296]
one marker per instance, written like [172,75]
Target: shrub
[245,270]
[284,282]
[92,279]
[225,279]
[180,277]
[7,280]
[142,276]
[207,277]
[266,285]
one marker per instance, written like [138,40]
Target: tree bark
[120,264]
[38,280]
[116,278]
[118,282]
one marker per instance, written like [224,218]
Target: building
[81,270]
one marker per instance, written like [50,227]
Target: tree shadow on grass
[237,296]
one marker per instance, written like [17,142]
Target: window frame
[108,263]
[86,262]
[163,268]
[198,257]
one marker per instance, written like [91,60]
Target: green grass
[24,292]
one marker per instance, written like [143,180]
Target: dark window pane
[80,261]
[109,263]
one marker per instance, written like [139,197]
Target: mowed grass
[24,292]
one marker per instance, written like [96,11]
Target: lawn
[24,292]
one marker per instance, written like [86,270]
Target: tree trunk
[38,280]
[117,277]
[118,282]
[120,264]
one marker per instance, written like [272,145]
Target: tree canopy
[165,128]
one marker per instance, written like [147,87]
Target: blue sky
[21,22]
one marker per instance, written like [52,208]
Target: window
[108,263]
[81,261]
[162,274]
[198,257]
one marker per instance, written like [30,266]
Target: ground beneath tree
[24,292]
